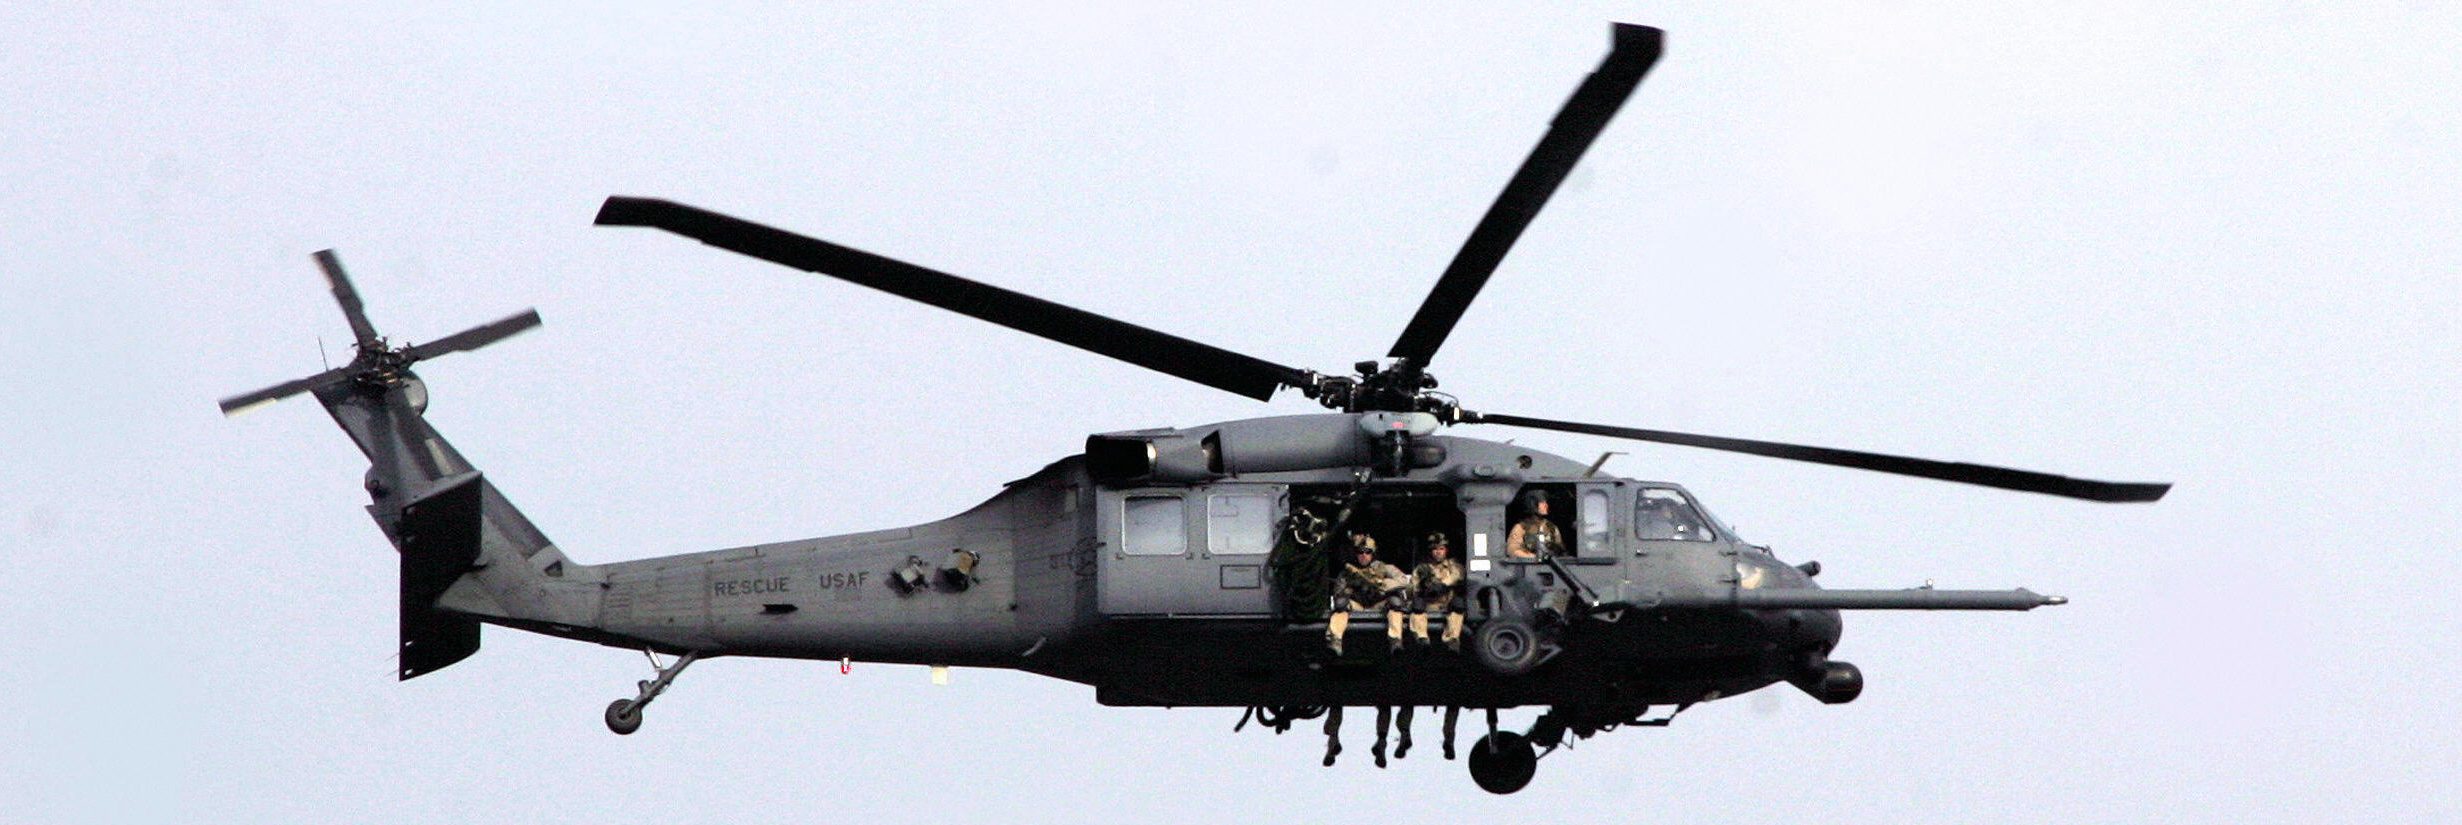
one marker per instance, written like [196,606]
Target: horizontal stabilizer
[439,538]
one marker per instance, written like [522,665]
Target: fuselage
[1165,590]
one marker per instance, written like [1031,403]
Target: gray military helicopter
[1185,567]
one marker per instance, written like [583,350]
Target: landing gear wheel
[1506,646]
[1502,762]
[623,716]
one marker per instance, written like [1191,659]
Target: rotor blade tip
[2148,492]
[620,210]
[331,264]
[237,406]
[1628,35]
[1625,30]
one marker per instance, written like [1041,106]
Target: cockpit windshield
[1664,514]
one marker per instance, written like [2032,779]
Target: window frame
[1711,531]
[1129,535]
[1267,499]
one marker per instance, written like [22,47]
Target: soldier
[1534,537]
[1437,584]
[1366,584]
[1664,517]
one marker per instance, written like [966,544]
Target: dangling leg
[1384,722]
[1419,627]
[1336,624]
[1453,713]
[1453,630]
[1403,725]
[1393,630]
[1333,734]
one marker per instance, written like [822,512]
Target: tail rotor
[377,363]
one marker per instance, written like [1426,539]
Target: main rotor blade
[476,337]
[237,404]
[1161,352]
[1575,126]
[347,297]
[2001,477]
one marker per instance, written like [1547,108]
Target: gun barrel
[1810,599]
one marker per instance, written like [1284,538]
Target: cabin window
[1154,526]
[1594,519]
[1239,524]
[1663,514]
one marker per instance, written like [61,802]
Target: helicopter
[1192,566]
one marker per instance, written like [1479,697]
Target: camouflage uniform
[1534,537]
[1367,587]
[1438,585]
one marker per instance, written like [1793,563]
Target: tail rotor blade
[1635,49]
[347,297]
[2004,478]
[476,337]
[237,404]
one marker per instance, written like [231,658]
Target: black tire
[623,717]
[1503,762]
[1506,646]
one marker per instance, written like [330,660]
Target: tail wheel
[623,716]
[1506,645]
[1503,762]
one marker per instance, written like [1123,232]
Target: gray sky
[2212,244]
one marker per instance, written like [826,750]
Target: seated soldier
[1366,584]
[1437,584]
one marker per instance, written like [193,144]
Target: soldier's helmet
[1435,540]
[1530,501]
[1363,543]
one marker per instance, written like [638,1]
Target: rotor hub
[1400,386]
[381,365]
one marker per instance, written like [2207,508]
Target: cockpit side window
[1663,514]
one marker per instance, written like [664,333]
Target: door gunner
[1535,536]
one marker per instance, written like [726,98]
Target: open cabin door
[1188,551]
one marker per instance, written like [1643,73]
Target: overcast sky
[2209,244]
